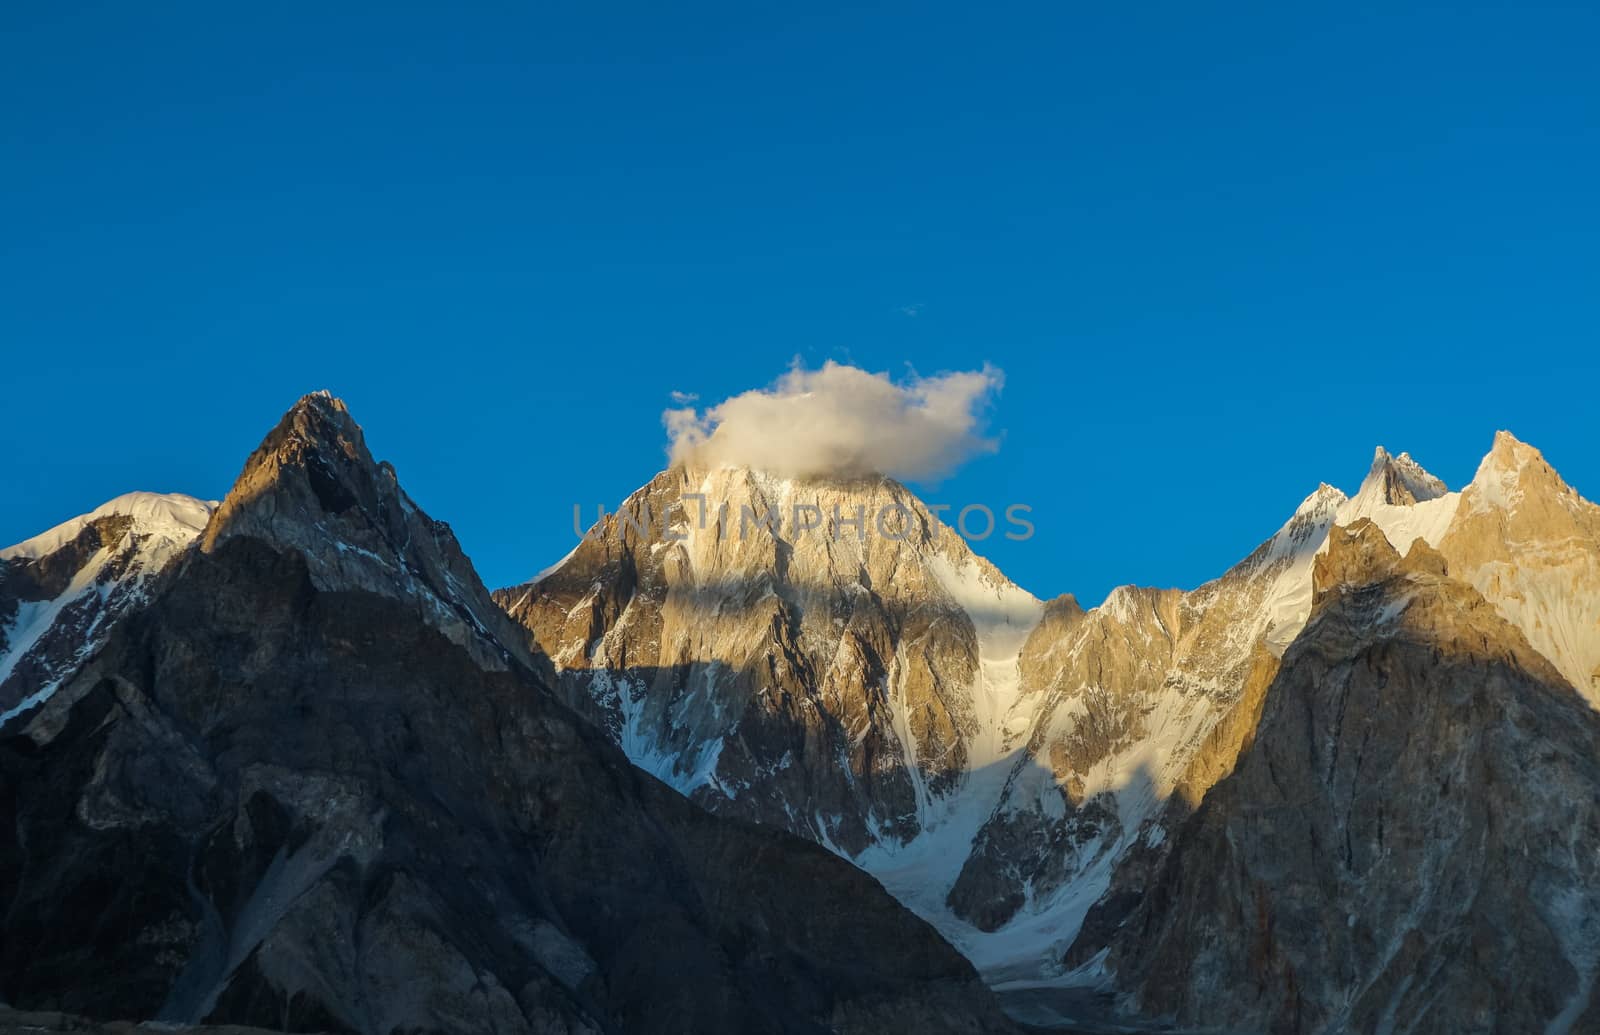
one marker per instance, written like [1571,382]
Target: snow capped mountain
[1518,533]
[899,700]
[170,516]
[311,482]
[995,762]
[834,680]
[62,590]
[825,656]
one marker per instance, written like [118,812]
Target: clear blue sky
[1219,252]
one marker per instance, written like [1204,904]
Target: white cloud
[683,398]
[842,421]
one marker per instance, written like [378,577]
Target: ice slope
[921,871]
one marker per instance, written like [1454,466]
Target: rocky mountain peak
[1357,554]
[312,468]
[1512,471]
[1531,545]
[1405,501]
[1511,452]
[313,488]
[1398,481]
[1361,554]
[823,653]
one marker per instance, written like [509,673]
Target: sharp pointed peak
[1509,459]
[311,477]
[321,406]
[312,488]
[322,398]
[1513,468]
[1397,481]
[1510,452]
[1381,456]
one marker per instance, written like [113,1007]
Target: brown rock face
[1410,829]
[1531,546]
[307,788]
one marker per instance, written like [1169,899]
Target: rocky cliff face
[1407,844]
[308,786]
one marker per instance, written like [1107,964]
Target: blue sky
[1219,253]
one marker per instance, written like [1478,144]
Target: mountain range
[303,775]
[282,760]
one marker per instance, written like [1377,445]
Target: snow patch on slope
[35,617]
[1003,615]
[1404,525]
[921,872]
[179,516]
[1294,549]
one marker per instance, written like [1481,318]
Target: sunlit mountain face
[1018,772]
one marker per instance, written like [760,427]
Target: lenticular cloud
[842,421]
